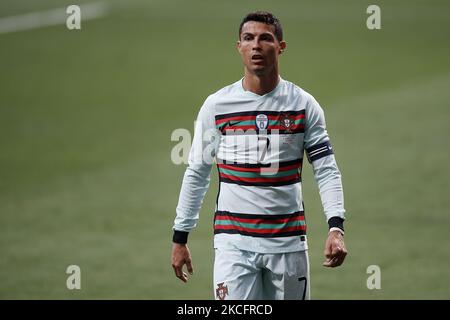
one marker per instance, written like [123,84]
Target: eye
[266,37]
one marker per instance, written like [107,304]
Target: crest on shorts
[262,121]
[286,121]
[221,291]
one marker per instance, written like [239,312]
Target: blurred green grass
[85,124]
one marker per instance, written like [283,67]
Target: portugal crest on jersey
[262,121]
[286,121]
[221,291]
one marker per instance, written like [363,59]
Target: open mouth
[257,57]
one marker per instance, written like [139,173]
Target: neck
[260,84]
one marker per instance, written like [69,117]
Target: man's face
[259,48]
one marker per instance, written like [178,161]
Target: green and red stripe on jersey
[243,121]
[260,225]
[283,173]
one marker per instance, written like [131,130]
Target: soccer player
[257,130]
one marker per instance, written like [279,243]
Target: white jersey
[258,142]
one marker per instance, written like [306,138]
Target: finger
[328,255]
[339,250]
[327,252]
[182,276]
[327,263]
[341,257]
[331,263]
[176,270]
[189,267]
[337,260]
[336,250]
[179,273]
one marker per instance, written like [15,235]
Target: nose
[256,44]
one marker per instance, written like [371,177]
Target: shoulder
[298,91]
[313,110]
[209,105]
[221,94]
[226,91]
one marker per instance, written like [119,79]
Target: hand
[335,250]
[181,256]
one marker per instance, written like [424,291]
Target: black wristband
[180,236]
[336,222]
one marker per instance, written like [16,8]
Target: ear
[238,45]
[282,47]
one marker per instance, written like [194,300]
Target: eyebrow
[262,34]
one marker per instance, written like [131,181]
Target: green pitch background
[86,119]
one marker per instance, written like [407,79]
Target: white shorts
[245,275]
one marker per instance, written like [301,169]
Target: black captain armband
[319,151]
[180,236]
[336,222]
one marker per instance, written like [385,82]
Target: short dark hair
[264,17]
